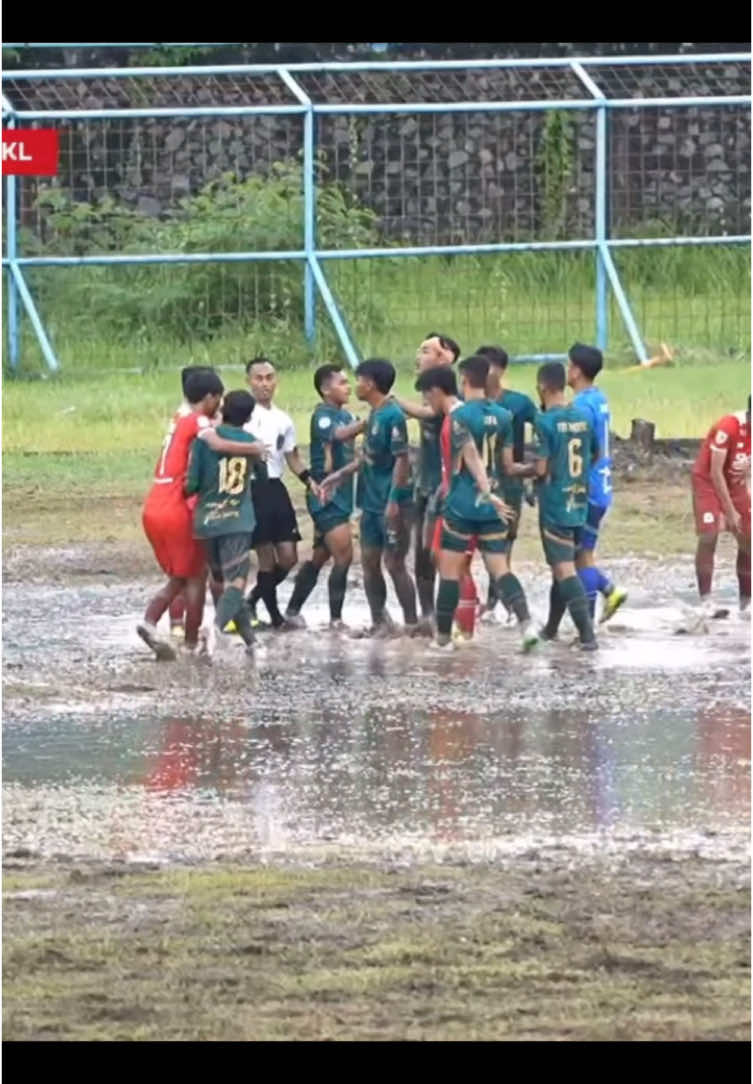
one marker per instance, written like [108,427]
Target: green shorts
[559,542]
[229,556]
[459,534]
[376,534]
[326,521]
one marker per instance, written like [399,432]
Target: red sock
[465,615]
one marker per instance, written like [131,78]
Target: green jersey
[385,439]
[523,410]
[429,456]
[490,428]
[327,455]
[222,483]
[566,438]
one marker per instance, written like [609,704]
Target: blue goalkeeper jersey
[593,402]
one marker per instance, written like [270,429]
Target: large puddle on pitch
[352,747]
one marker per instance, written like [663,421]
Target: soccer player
[435,351]
[276,536]
[177,608]
[384,496]
[566,449]
[523,413]
[224,517]
[479,430]
[333,433]
[167,515]
[585,365]
[721,500]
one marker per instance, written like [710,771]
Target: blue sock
[591,579]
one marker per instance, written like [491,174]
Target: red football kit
[168,516]
[731,435]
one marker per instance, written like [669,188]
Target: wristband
[305,476]
[401,494]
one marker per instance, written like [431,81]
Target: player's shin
[338,582]
[556,612]
[574,597]
[425,575]
[743,575]
[405,591]
[448,597]
[305,582]
[590,578]
[375,588]
[194,594]
[704,564]
[227,606]
[509,589]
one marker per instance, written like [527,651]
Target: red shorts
[170,531]
[709,515]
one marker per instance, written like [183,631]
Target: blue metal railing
[309,254]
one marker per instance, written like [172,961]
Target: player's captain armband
[401,494]
[721,437]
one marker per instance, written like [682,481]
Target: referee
[276,536]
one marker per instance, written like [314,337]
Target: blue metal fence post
[12,249]
[602,306]
[309,226]
[309,203]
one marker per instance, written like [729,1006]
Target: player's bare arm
[400,479]
[231,447]
[477,470]
[348,432]
[299,468]
[332,481]
[719,482]
[421,411]
[516,470]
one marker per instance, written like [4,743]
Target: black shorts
[229,556]
[275,516]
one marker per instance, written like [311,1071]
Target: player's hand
[316,490]
[392,514]
[505,511]
[735,522]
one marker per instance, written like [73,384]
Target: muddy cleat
[293,621]
[588,645]
[548,637]
[441,643]
[612,603]
[340,627]
[529,637]
[164,651]
[382,631]
[489,616]
[231,628]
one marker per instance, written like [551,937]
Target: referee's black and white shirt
[275,429]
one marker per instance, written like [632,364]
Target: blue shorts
[587,536]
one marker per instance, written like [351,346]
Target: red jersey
[732,436]
[445,452]
[172,465]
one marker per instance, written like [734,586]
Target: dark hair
[446,343]
[475,369]
[189,370]
[257,361]
[440,377]
[552,376]
[237,407]
[323,375]
[588,359]
[380,371]
[199,385]
[495,354]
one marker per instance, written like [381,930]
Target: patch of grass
[352,953]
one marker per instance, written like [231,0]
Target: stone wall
[441,178]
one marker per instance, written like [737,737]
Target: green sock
[338,581]
[574,597]
[305,582]
[228,604]
[448,597]
[509,589]
[243,624]
[556,611]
